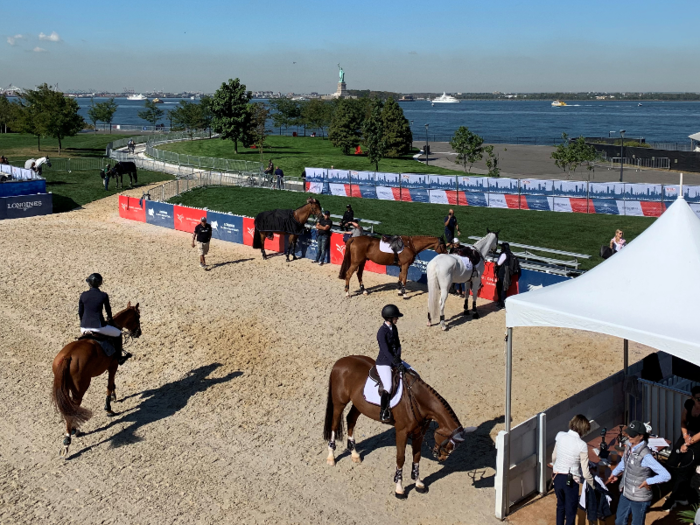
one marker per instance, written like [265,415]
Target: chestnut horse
[419,405]
[77,364]
[301,215]
[359,249]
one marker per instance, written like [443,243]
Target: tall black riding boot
[119,346]
[385,411]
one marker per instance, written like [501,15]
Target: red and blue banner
[226,227]
[187,218]
[131,208]
[160,214]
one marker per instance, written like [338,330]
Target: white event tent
[648,293]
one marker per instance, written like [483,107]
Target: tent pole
[509,381]
[624,387]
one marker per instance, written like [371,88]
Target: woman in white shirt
[617,242]
[570,456]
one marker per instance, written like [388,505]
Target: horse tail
[61,395]
[256,239]
[330,409]
[433,290]
[347,258]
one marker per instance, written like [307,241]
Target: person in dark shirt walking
[202,234]
[389,356]
[280,177]
[90,309]
[451,226]
[323,236]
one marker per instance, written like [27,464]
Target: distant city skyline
[468,47]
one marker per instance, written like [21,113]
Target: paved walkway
[520,162]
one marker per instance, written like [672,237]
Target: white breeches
[109,331]
[384,372]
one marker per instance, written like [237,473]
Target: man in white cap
[202,234]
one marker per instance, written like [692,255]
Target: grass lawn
[564,231]
[293,154]
[70,190]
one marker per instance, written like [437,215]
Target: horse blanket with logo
[278,221]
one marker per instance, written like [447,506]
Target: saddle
[473,255]
[104,341]
[395,378]
[395,242]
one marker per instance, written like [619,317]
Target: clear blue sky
[407,46]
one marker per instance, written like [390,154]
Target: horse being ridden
[419,405]
[444,270]
[124,168]
[293,223]
[36,165]
[78,363]
[358,250]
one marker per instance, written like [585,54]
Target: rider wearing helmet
[91,319]
[389,355]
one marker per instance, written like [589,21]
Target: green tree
[397,130]
[231,112]
[152,113]
[257,132]
[492,161]
[468,146]
[206,115]
[571,154]
[373,133]
[318,114]
[7,113]
[107,110]
[94,113]
[345,129]
[187,115]
[286,113]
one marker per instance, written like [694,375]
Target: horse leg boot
[331,450]
[351,419]
[385,411]
[475,314]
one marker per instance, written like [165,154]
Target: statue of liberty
[341,74]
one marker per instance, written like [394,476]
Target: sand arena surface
[221,409]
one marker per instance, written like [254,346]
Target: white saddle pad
[467,264]
[371,393]
[386,248]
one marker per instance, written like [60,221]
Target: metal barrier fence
[78,164]
[659,163]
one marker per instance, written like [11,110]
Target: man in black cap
[323,237]
[202,233]
[639,471]
[348,217]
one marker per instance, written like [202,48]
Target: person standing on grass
[323,235]
[280,177]
[202,234]
[451,226]
[639,470]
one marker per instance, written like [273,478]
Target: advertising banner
[474,184]
[26,206]
[248,230]
[417,195]
[606,190]
[29,187]
[652,209]
[477,199]
[187,218]
[315,174]
[497,200]
[314,187]
[488,282]
[386,179]
[338,176]
[362,177]
[337,248]
[367,192]
[604,207]
[276,244]
[160,214]
[647,192]
[412,181]
[690,193]
[570,188]
[388,194]
[226,227]
[539,202]
[339,189]
[536,187]
[504,185]
[311,245]
[130,208]
[531,280]
[443,182]
[696,208]
[633,208]
[579,205]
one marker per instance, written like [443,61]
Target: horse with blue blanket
[284,222]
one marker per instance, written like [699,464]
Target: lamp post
[622,146]
[427,148]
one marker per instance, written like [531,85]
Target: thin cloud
[53,37]
[12,40]
[38,49]
[412,53]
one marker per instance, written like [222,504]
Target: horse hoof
[444,328]
[428,324]
[476,315]
[110,413]
[465,313]
[400,495]
[357,459]
[421,490]
[331,462]
[405,296]
[347,294]
[364,292]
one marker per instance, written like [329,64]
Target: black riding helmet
[95,280]
[390,311]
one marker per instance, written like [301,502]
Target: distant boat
[444,99]
[639,104]
[407,98]
[300,99]
[157,101]
[136,97]
[192,97]
[558,103]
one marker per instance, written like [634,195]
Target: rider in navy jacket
[389,356]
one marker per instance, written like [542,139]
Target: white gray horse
[37,163]
[445,269]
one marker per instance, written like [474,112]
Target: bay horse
[444,270]
[122,168]
[419,405]
[358,250]
[285,222]
[77,364]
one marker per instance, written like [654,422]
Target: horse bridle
[456,438]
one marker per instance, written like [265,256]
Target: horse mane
[442,400]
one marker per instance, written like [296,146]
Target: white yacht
[136,97]
[445,99]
